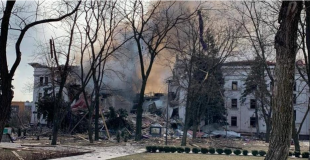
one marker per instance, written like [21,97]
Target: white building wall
[243,112]
[38,89]
[302,101]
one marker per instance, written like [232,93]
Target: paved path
[102,153]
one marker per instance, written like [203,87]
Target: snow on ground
[106,152]
[101,153]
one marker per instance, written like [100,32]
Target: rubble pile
[148,120]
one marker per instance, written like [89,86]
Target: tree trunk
[268,129]
[195,127]
[140,111]
[96,112]
[6,100]
[90,128]
[187,106]
[57,106]
[56,123]
[55,131]
[6,93]
[186,124]
[256,122]
[295,137]
[286,49]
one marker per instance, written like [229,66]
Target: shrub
[290,153]
[160,148]
[195,150]
[154,149]
[254,152]
[204,150]
[180,150]
[173,149]
[297,154]
[245,152]
[219,150]
[148,148]
[237,152]
[187,150]
[167,149]
[227,151]
[262,153]
[212,150]
[305,155]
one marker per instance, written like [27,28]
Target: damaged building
[43,81]
[240,111]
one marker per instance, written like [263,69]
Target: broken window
[294,89]
[175,113]
[253,121]
[233,121]
[234,85]
[41,81]
[46,80]
[294,98]
[253,103]
[234,103]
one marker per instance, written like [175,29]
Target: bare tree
[103,38]
[63,71]
[150,26]
[303,69]
[258,22]
[286,50]
[197,43]
[6,73]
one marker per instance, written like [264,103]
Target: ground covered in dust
[107,152]
[77,147]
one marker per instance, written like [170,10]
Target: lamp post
[168,81]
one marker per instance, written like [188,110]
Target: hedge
[187,150]
[227,151]
[219,150]
[254,152]
[148,148]
[212,150]
[167,149]
[195,150]
[204,150]
[237,152]
[262,153]
[305,155]
[245,152]
[180,150]
[173,149]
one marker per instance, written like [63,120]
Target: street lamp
[168,81]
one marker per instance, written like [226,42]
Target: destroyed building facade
[43,81]
[240,111]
